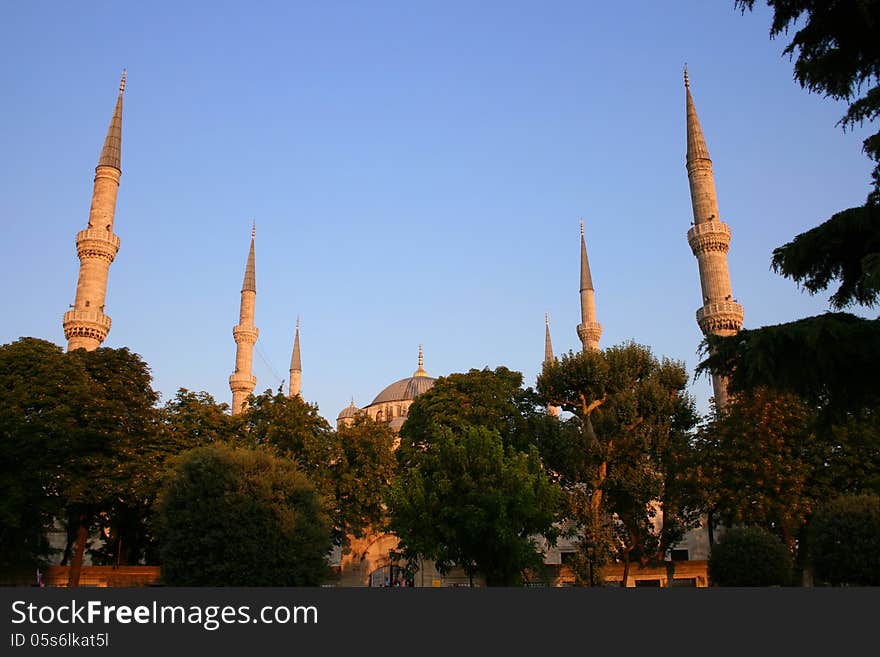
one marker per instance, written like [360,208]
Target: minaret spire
[86,326]
[296,366]
[548,356]
[709,239]
[242,382]
[548,346]
[589,330]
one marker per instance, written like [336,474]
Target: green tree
[361,473]
[468,499]
[494,399]
[80,428]
[834,45]
[238,517]
[115,459]
[195,419]
[749,556]
[351,469]
[844,541]
[623,456]
[293,427]
[757,463]
[40,397]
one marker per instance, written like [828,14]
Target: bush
[749,556]
[234,517]
[844,541]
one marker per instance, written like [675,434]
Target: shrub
[844,541]
[235,517]
[749,556]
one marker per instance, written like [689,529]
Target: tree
[81,428]
[195,419]
[293,427]
[475,408]
[114,460]
[844,541]
[466,498]
[749,556]
[630,440]
[40,394]
[351,469]
[835,45]
[488,398]
[757,464]
[238,517]
[827,360]
[361,471]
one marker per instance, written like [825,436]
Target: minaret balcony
[711,235]
[86,324]
[245,334]
[589,332]
[96,243]
[95,317]
[241,382]
[720,318]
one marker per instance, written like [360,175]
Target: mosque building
[86,325]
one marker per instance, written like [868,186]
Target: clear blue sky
[416,171]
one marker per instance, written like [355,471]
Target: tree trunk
[625,570]
[670,573]
[82,535]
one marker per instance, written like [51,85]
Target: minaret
[86,326]
[709,239]
[296,366]
[242,382]
[589,330]
[548,357]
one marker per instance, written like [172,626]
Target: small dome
[350,411]
[405,389]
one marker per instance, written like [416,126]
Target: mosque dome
[349,412]
[406,389]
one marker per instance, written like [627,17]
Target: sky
[416,172]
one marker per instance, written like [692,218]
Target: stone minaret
[589,330]
[709,239]
[296,366]
[548,357]
[242,382]
[86,326]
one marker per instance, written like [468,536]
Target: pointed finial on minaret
[687,82]
[586,276]
[696,143]
[250,271]
[111,153]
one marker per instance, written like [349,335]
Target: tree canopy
[468,499]
[622,458]
[240,517]
[471,488]
[836,53]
